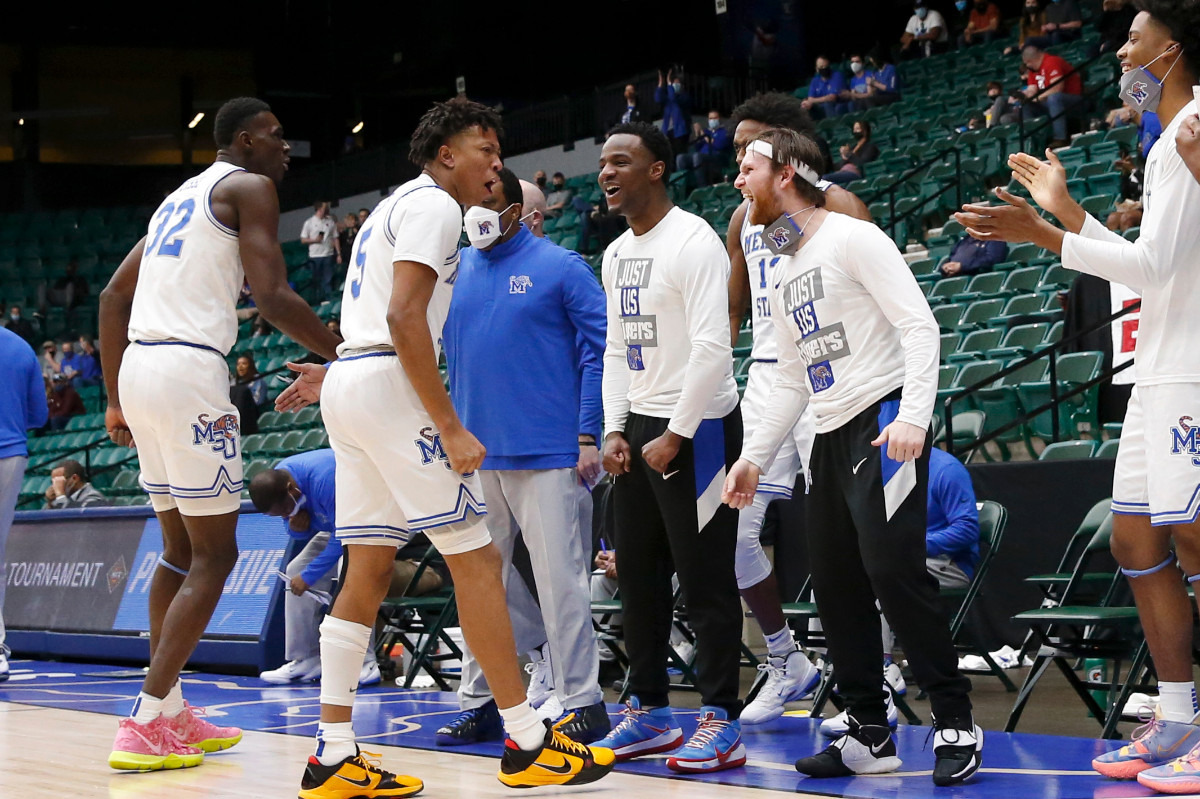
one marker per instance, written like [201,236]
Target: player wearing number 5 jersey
[167,322]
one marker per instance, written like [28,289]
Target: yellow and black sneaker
[355,778]
[560,761]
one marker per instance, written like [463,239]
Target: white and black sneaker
[864,749]
[957,747]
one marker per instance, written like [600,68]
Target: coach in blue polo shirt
[523,311]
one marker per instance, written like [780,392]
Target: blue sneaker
[714,746]
[1157,743]
[477,724]
[643,732]
[585,725]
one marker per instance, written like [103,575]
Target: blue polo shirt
[524,343]
[22,394]
[314,473]
[952,523]
[888,77]
[820,87]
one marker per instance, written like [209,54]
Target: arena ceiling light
[195,120]
[357,128]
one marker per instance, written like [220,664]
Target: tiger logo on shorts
[221,434]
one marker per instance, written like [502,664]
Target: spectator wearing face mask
[18,324]
[1063,23]
[51,360]
[63,401]
[983,22]
[676,110]
[854,157]
[559,197]
[925,34]
[632,112]
[712,149]
[824,91]
[883,82]
[858,89]
[1004,109]
[1029,26]
[69,488]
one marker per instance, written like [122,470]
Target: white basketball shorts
[1158,465]
[175,397]
[393,477]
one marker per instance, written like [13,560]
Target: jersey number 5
[360,260]
[172,243]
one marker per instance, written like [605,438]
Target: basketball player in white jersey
[406,463]
[789,674]
[1156,482]
[167,322]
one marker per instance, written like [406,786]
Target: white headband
[764,149]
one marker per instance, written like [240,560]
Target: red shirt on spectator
[1051,70]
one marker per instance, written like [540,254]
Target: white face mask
[300,503]
[855,67]
[483,225]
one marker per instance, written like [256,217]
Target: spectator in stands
[925,34]
[63,401]
[1055,88]
[89,360]
[348,230]
[632,112]
[22,408]
[1113,25]
[972,257]
[1005,108]
[857,89]
[51,362]
[559,198]
[324,250]
[539,179]
[676,110]
[78,367]
[69,488]
[712,150]
[300,490]
[1063,23]
[1029,26]
[67,291]
[883,82]
[18,324]
[983,23]
[246,374]
[824,91]
[853,158]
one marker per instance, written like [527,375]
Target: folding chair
[418,623]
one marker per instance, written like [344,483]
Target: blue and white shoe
[643,732]
[839,725]
[476,724]
[715,745]
[788,680]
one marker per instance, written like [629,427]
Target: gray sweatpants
[12,472]
[302,614]
[544,507]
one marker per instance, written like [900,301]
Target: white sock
[335,742]
[780,644]
[146,708]
[343,647]
[1177,700]
[172,704]
[524,726]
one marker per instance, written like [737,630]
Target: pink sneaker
[150,747]
[191,728]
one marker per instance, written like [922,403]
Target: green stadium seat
[290,443]
[979,313]
[308,417]
[947,316]
[1105,183]
[1067,450]
[949,344]
[949,287]
[1020,341]
[982,287]
[1022,280]
[125,482]
[316,438]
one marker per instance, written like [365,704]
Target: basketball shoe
[957,744]
[1155,743]
[560,761]
[305,670]
[715,745]
[150,747]
[1181,775]
[643,732]
[192,729]
[355,777]
[471,726]
[839,724]
[863,749]
[788,679]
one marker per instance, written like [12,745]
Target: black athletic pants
[678,524]
[866,539]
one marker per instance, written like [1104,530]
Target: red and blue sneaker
[643,732]
[714,746]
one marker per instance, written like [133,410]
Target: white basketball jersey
[760,263]
[417,222]
[191,272]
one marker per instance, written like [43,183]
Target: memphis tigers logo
[484,227]
[519,284]
[429,444]
[220,434]
[779,236]
[1184,440]
[820,375]
[1138,91]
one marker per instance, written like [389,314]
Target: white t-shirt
[668,352]
[191,272]
[1124,332]
[1163,264]
[325,228]
[919,27]
[418,222]
[852,326]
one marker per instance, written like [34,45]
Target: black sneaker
[481,723]
[864,749]
[586,724]
[956,745]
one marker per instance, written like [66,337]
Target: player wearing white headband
[858,343]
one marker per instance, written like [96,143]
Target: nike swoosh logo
[363,783]
[877,748]
[860,463]
[565,768]
[672,474]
